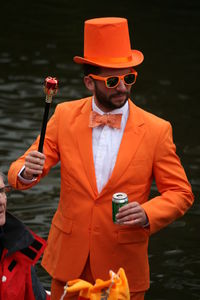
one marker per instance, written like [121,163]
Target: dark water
[40,38]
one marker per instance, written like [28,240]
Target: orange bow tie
[111,120]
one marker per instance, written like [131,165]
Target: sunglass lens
[129,78]
[112,82]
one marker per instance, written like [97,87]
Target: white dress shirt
[106,142]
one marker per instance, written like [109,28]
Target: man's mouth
[119,95]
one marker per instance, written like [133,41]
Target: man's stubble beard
[106,101]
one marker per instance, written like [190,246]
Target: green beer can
[118,200]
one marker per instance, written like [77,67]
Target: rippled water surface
[40,38]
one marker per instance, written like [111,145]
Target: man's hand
[34,164]
[132,214]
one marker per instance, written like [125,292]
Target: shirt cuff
[147,222]
[22,179]
[146,225]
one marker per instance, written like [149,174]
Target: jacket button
[4,278]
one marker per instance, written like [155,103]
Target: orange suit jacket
[83,223]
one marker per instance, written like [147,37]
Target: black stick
[50,89]
[44,125]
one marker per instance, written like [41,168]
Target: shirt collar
[122,110]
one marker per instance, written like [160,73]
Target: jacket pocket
[131,236]
[62,223]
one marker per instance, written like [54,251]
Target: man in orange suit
[106,144]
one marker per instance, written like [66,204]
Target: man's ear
[89,83]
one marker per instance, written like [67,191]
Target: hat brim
[135,59]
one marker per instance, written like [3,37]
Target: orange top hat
[107,44]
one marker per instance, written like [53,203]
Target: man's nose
[121,86]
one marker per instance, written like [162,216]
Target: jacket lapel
[132,137]
[84,139]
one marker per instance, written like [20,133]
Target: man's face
[106,98]
[3,200]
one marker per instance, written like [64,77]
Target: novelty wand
[50,89]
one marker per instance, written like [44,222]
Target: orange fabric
[57,289]
[83,222]
[116,287]
[112,120]
[78,286]
[107,44]
[137,296]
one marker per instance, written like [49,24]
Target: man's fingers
[28,172]
[34,160]
[129,209]
[33,166]
[34,157]
[132,214]
[129,206]
[129,217]
[36,154]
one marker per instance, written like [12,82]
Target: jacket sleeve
[175,191]
[50,150]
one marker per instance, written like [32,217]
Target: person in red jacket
[20,249]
